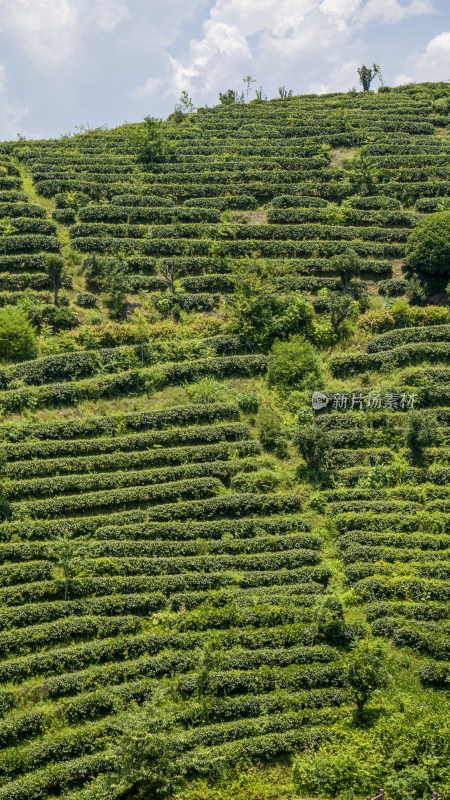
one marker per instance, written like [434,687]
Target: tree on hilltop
[368,74]
[185,104]
[230,97]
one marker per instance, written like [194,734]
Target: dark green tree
[420,431]
[330,621]
[18,340]
[346,265]
[362,172]
[261,314]
[54,267]
[315,445]
[428,246]
[366,672]
[271,431]
[368,74]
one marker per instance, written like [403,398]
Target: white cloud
[391,12]
[431,65]
[266,34]
[342,76]
[150,87]
[223,46]
[50,31]
[107,14]
[43,28]
[11,114]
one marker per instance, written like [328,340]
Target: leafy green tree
[284,93]
[368,74]
[315,445]
[365,673]
[342,307]
[115,282]
[152,147]
[294,364]
[414,291]
[54,267]
[169,271]
[149,759]
[230,97]
[428,246]
[261,314]
[18,340]
[420,431]
[185,104]
[67,554]
[346,265]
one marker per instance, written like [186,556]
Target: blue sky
[68,63]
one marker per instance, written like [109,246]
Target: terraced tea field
[163,540]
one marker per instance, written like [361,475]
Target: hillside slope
[163,538]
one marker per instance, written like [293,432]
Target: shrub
[294,364]
[265,480]
[428,246]
[17,336]
[86,300]
[204,390]
[248,402]
[66,216]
